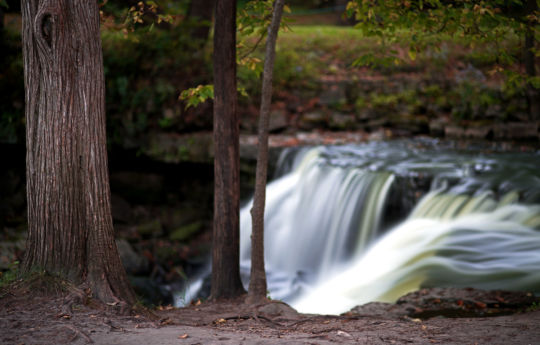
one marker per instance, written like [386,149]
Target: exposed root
[78,333]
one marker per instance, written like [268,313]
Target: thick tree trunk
[529,61]
[226,235]
[257,283]
[200,12]
[70,230]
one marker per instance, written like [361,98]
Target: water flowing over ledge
[346,225]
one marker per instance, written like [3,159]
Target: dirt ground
[28,317]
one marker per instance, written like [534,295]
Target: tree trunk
[200,13]
[70,230]
[257,283]
[529,61]
[226,235]
[1,18]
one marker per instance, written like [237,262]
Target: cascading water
[464,219]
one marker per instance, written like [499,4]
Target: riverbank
[30,318]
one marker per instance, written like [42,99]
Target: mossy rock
[152,228]
[184,232]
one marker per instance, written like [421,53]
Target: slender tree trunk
[201,12]
[257,283]
[529,61]
[70,230]
[226,235]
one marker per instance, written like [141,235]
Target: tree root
[78,333]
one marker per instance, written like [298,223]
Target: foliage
[424,21]
[533,307]
[142,71]
[196,95]
[10,275]
[253,20]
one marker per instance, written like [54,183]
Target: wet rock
[414,124]
[278,120]
[437,127]
[313,119]
[133,262]
[516,130]
[452,131]
[450,302]
[151,292]
[479,132]
[334,93]
[341,121]
[468,302]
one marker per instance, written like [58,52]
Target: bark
[1,18]
[200,13]
[70,230]
[226,234]
[257,283]
[529,61]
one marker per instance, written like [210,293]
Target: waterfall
[317,217]
[327,249]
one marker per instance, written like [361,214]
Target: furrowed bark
[70,230]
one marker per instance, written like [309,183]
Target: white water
[478,227]
[317,217]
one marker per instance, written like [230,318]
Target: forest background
[330,78]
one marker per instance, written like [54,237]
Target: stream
[351,224]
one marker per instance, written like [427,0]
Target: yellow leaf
[287,9]
[412,54]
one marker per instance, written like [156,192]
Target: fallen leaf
[218,321]
[344,334]
[166,321]
[480,305]
[183,336]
